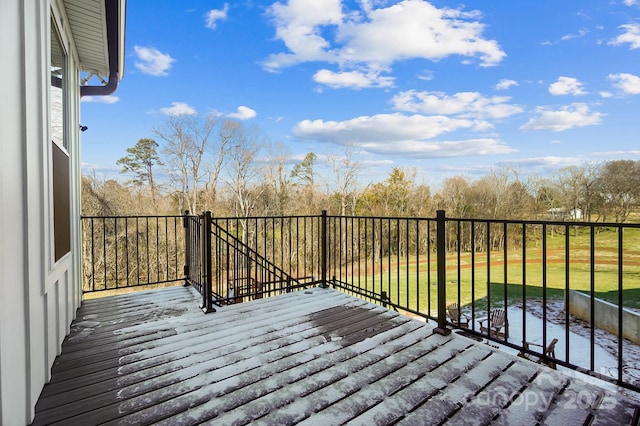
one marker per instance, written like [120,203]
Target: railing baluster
[544,285]
[408,263]
[620,305]
[157,268]
[115,243]
[418,265]
[166,248]
[429,268]
[473,274]
[93,258]
[175,248]
[137,251]
[505,262]
[459,249]
[207,300]
[592,299]
[373,256]
[442,274]
[104,251]
[382,240]
[488,271]
[147,249]
[323,249]
[187,248]
[567,306]
[524,283]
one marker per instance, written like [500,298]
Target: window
[59,154]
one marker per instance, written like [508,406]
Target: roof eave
[115,30]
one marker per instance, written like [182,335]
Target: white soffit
[88,26]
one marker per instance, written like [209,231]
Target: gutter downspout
[113,35]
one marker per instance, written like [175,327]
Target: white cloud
[440,149]
[298,25]
[569,116]
[243,113]
[581,33]
[105,171]
[566,86]
[178,108]
[376,38]
[631,35]
[506,84]
[546,164]
[426,75]
[352,79]
[400,135]
[605,94]
[153,62]
[625,155]
[628,83]
[215,15]
[380,128]
[416,29]
[463,104]
[630,2]
[109,99]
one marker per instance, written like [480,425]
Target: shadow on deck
[316,356]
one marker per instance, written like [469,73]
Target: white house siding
[38,298]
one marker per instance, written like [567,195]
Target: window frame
[59,161]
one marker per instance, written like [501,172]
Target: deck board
[316,356]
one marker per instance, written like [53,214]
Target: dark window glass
[59,154]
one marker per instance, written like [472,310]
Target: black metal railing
[531,268]
[420,266]
[131,251]
[523,270]
[193,251]
[258,257]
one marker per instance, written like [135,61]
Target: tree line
[200,163]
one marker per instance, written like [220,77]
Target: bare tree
[243,146]
[278,186]
[620,187]
[501,194]
[576,187]
[187,138]
[215,168]
[345,180]
[453,197]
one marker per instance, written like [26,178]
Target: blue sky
[443,87]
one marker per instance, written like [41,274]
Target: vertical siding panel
[12,338]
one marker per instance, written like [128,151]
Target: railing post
[187,247]
[441,254]
[323,250]
[207,301]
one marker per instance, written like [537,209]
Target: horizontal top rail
[159,216]
[549,222]
[421,218]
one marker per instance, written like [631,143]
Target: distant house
[563,213]
[47,47]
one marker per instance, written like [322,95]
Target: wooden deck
[316,357]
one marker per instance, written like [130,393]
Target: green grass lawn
[415,287]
